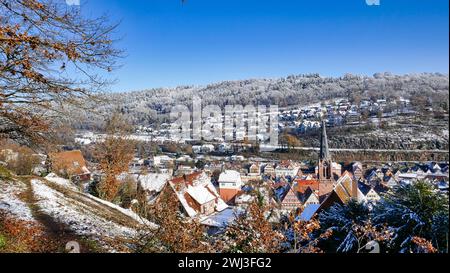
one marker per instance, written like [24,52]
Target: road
[271,148]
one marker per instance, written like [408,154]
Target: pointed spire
[324,152]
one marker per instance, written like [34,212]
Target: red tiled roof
[303,185]
[186,179]
[71,162]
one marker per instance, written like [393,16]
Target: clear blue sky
[204,41]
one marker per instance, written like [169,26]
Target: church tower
[325,173]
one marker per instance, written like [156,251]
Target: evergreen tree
[341,221]
[414,211]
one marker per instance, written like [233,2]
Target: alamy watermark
[373,2]
[234,123]
[73,2]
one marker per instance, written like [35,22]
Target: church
[327,171]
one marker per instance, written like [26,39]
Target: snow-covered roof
[308,212]
[196,186]
[153,181]
[408,175]
[201,194]
[221,219]
[230,176]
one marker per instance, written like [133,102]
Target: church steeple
[325,168]
[324,152]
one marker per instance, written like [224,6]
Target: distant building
[254,170]
[197,195]
[346,189]
[309,197]
[352,117]
[290,200]
[269,170]
[369,193]
[184,170]
[163,161]
[151,184]
[207,148]
[230,184]
[70,164]
[287,168]
[357,170]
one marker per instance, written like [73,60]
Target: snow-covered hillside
[62,204]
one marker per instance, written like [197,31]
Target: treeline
[153,105]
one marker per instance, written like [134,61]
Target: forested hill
[142,107]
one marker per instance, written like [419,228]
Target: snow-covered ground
[61,181]
[84,214]
[10,202]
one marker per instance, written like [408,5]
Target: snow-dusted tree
[114,155]
[416,210]
[349,228]
[251,232]
[299,234]
[50,54]
[175,233]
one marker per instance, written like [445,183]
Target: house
[207,148]
[269,170]
[369,193]
[151,184]
[183,169]
[243,199]
[197,195]
[196,149]
[304,184]
[352,117]
[70,164]
[237,158]
[230,184]
[163,161]
[335,119]
[391,182]
[136,162]
[443,186]
[318,190]
[407,177]
[287,169]
[290,200]
[307,125]
[217,222]
[254,170]
[345,189]
[308,197]
[308,213]
[224,148]
[184,159]
[168,171]
[357,170]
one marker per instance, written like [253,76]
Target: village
[301,120]
[214,189]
